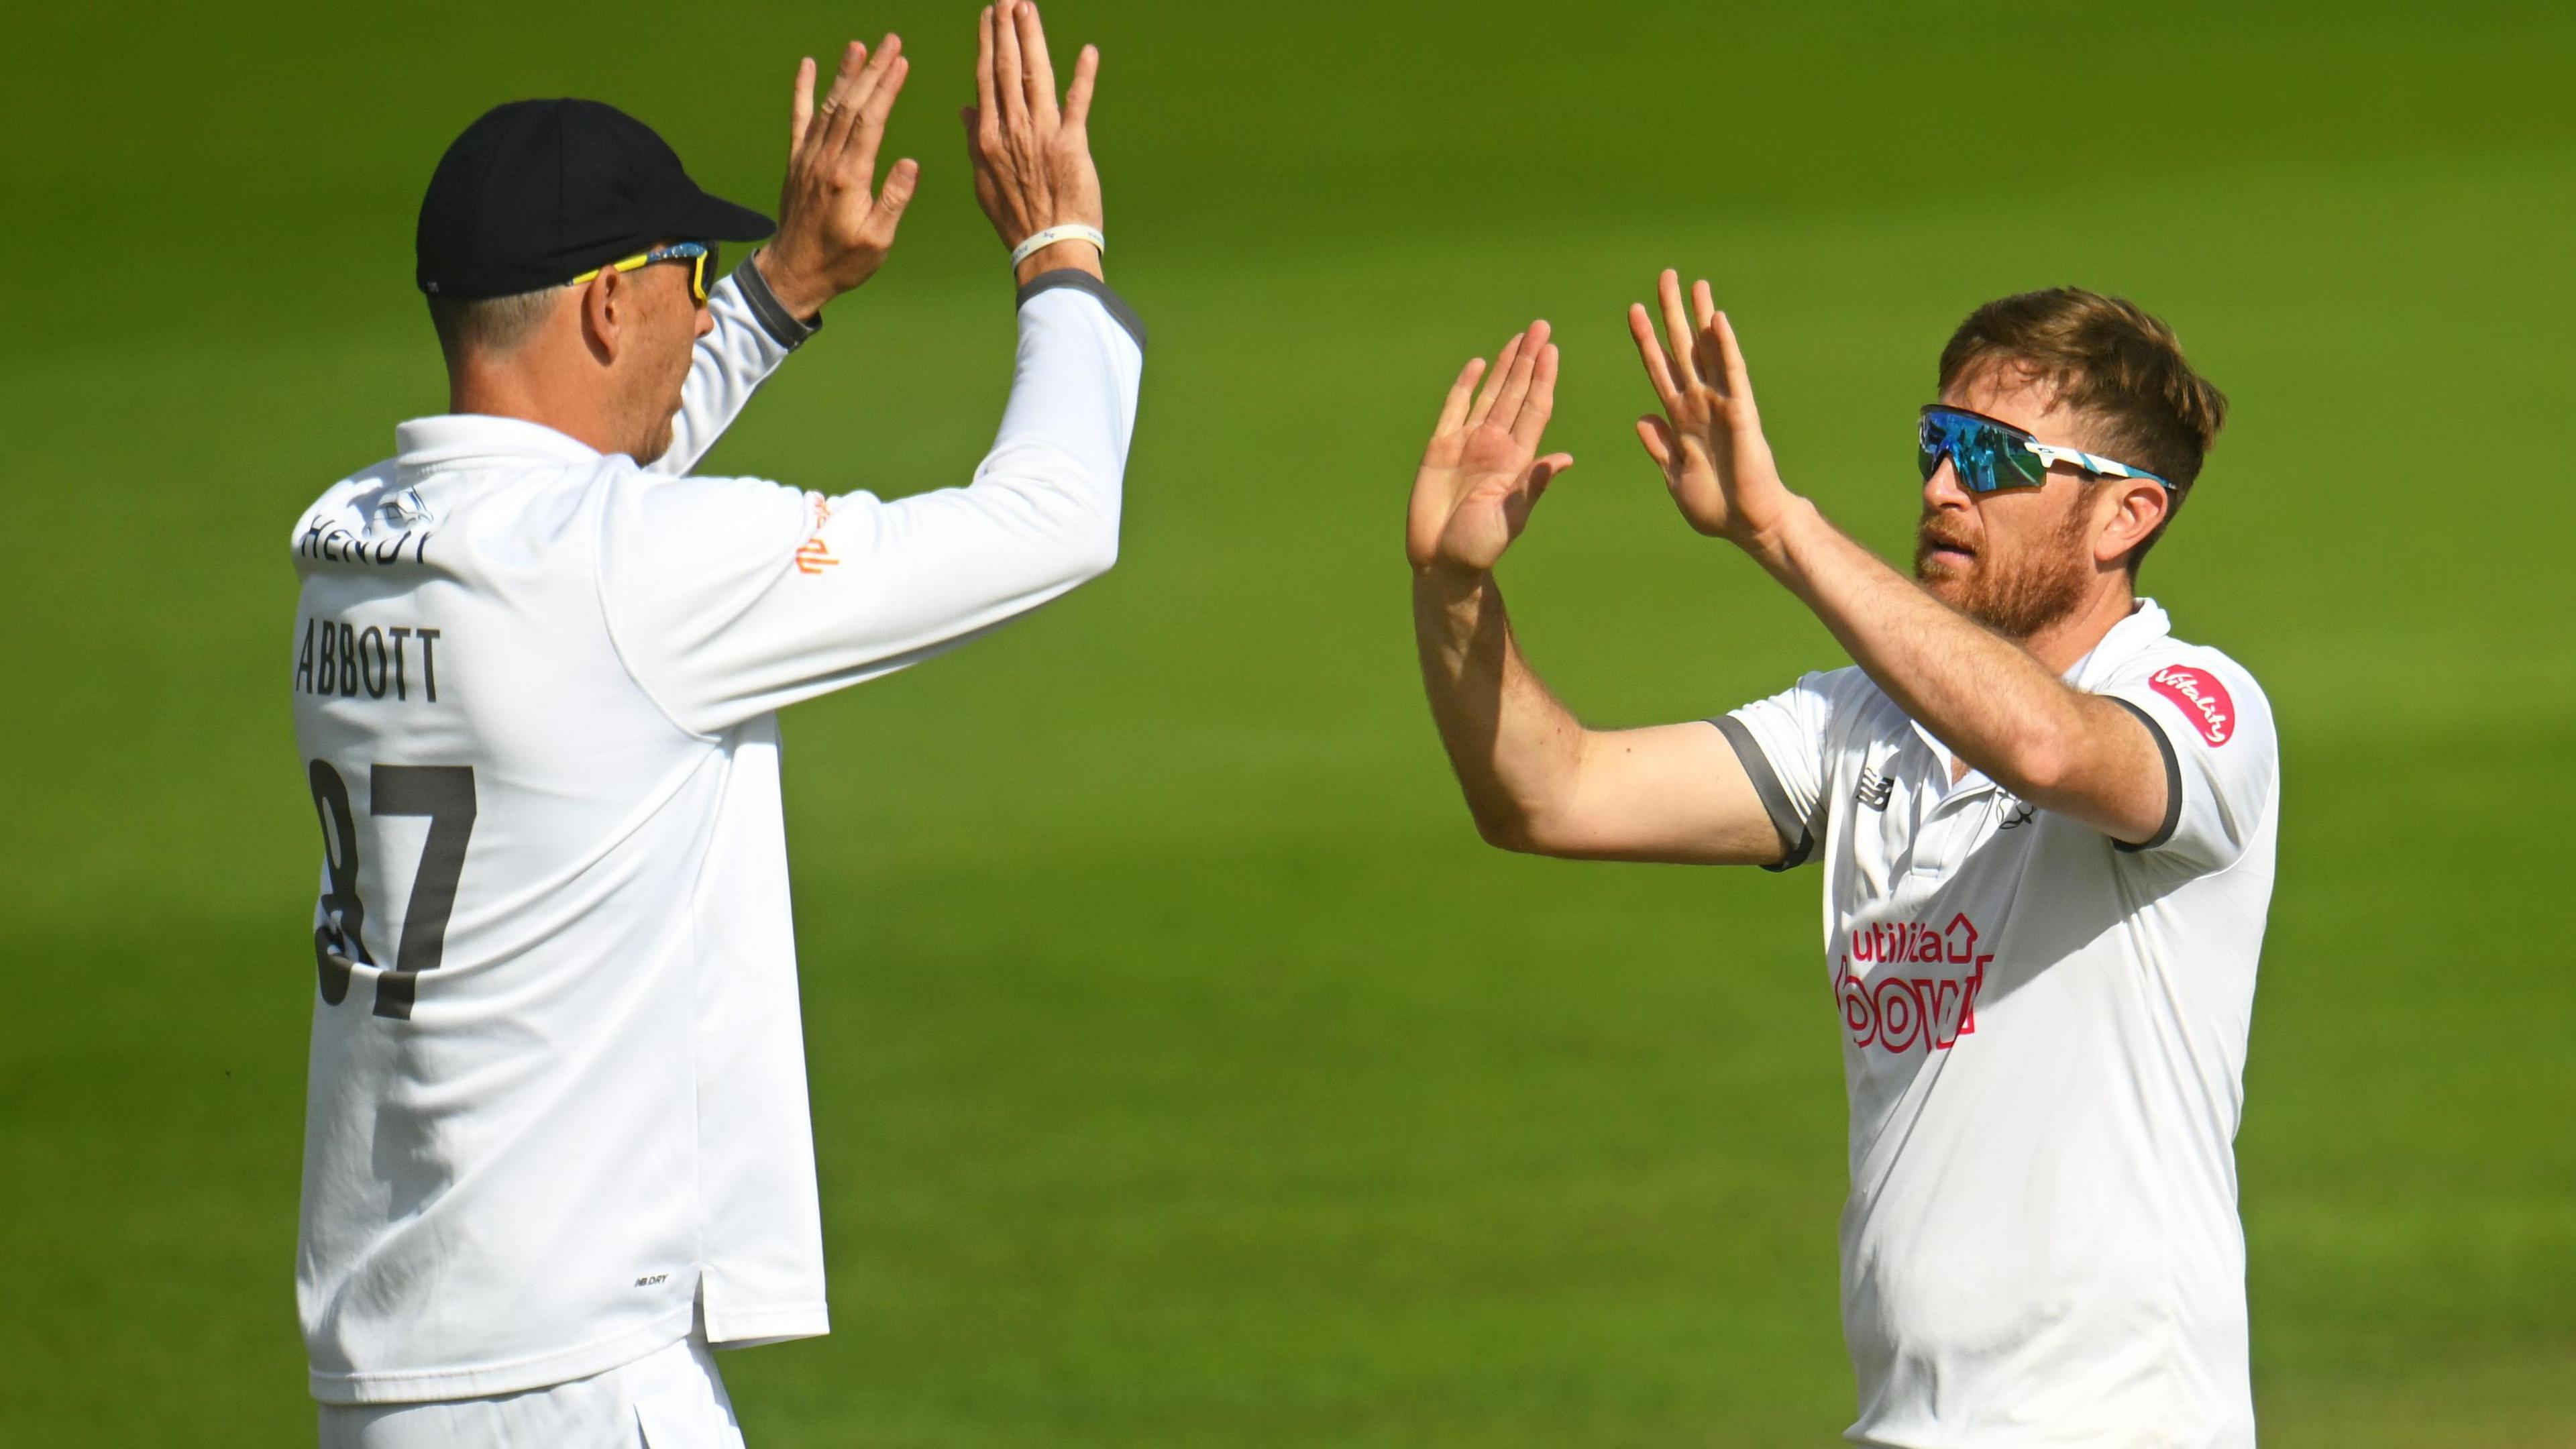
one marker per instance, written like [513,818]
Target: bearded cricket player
[556,1139]
[2045,827]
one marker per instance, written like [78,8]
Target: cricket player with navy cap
[2045,827]
[557,1143]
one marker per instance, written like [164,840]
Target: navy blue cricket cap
[535,193]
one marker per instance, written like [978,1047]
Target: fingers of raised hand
[1650,351]
[1531,423]
[1494,381]
[1077,97]
[862,99]
[1530,486]
[1657,435]
[800,105]
[1009,84]
[1543,472]
[878,103]
[1038,71]
[1453,412]
[1739,379]
[872,119]
[1516,382]
[877,230]
[1677,328]
[833,110]
[1704,349]
[984,103]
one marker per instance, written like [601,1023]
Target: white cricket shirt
[2044,1047]
[556,1102]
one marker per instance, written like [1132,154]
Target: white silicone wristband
[1049,237]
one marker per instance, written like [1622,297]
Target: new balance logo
[1875,789]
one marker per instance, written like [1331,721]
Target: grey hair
[494,326]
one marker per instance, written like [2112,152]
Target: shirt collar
[2146,626]
[452,439]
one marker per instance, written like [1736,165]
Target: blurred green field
[1185,1072]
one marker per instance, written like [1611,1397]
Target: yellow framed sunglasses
[701,257]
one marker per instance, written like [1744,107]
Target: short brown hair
[496,325]
[2110,358]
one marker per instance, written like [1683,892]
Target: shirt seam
[608,621]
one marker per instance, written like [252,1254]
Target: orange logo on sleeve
[814,555]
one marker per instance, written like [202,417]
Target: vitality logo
[1897,1010]
[2202,697]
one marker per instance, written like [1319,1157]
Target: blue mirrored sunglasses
[1990,455]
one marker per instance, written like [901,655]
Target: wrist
[1780,545]
[1072,254]
[801,291]
[1446,585]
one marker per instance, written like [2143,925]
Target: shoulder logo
[2202,697]
[814,555]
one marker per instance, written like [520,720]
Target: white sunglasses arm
[2103,467]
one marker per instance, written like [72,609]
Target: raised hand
[1033,167]
[1482,475]
[1709,440]
[834,227]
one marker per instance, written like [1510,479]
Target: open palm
[1481,474]
[1709,440]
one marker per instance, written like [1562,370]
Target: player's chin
[1945,572]
[657,445]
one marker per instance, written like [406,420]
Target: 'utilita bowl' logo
[2201,697]
[1887,1005]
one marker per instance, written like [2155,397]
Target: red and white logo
[2202,697]
[1896,1011]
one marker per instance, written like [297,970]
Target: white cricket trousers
[669,1399]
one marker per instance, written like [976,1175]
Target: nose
[1942,490]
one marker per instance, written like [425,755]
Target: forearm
[1981,694]
[1515,749]
[1071,416]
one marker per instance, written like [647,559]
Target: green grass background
[1184,1071]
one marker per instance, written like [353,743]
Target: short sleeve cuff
[1797,842]
[2173,780]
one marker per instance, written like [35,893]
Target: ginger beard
[2017,592]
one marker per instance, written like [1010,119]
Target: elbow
[1512,826]
[2043,765]
[1096,552]
[1062,510]
[1088,537]
[1072,548]
[1503,832]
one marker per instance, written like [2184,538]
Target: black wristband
[781,324]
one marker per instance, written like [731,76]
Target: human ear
[2137,509]
[604,314]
